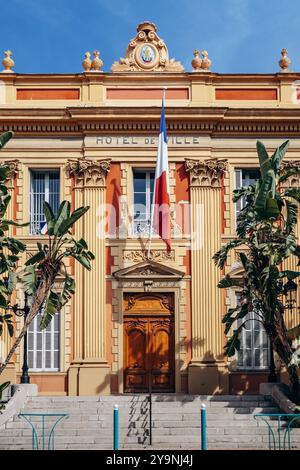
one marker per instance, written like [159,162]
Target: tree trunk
[38,300]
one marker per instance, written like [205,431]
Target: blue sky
[51,36]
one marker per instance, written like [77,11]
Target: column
[90,372]
[206,371]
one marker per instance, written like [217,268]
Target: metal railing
[283,441]
[35,438]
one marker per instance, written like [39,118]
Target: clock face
[147,54]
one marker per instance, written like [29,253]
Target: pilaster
[206,371]
[89,373]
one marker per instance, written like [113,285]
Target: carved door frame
[156,290]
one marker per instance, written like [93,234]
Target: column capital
[13,166]
[89,173]
[206,173]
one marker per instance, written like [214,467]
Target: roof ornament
[87,63]
[97,63]
[201,65]
[147,52]
[94,64]
[8,62]
[285,61]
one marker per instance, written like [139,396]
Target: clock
[147,56]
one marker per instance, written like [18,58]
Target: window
[244,177]
[254,349]
[143,184]
[43,345]
[44,186]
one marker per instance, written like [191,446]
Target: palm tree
[266,228]
[42,270]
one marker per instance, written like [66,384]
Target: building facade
[140,321]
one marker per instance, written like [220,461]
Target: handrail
[35,441]
[287,432]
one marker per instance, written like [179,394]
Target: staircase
[175,422]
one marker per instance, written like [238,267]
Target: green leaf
[67,224]
[233,344]
[68,290]
[36,259]
[4,138]
[3,387]
[83,260]
[29,280]
[229,282]
[289,274]
[52,306]
[278,155]
[292,214]
[266,191]
[264,160]
[62,216]
[221,256]
[50,218]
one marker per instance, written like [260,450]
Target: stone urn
[97,62]
[285,61]
[206,62]
[7,62]
[87,63]
[196,62]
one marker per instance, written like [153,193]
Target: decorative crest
[147,52]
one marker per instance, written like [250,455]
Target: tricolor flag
[43,228]
[160,217]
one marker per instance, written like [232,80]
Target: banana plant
[3,387]
[10,247]
[266,230]
[47,266]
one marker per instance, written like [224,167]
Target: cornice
[214,121]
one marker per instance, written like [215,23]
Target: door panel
[149,344]
[136,355]
[162,366]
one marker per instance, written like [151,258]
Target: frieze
[232,128]
[155,284]
[110,140]
[136,256]
[206,173]
[89,173]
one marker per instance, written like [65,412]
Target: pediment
[149,270]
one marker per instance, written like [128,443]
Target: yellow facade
[96,127]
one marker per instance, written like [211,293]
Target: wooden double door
[149,343]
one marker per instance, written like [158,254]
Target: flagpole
[153,197]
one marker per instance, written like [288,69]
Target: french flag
[161,219]
[43,228]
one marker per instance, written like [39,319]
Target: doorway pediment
[149,270]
